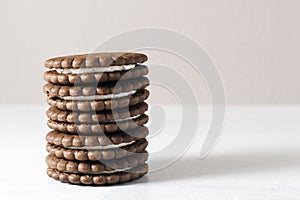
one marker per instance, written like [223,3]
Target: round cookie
[96,60]
[96,167]
[96,128]
[55,77]
[94,155]
[102,116]
[104,179]
[98,105]
[74,92]
[67,140]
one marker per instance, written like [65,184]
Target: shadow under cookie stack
[97,117]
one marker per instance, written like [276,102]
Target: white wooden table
[258,157]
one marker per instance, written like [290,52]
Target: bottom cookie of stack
[103,179]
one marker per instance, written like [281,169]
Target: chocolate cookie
[96,60]
[67,140]
[70,78]
[98,105]
[83,154]
[105,91]
[93,167]
[102,179]
[96,128]
[101,116]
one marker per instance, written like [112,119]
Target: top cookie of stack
[97,113]
[67,73]
[89,68]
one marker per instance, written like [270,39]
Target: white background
[255,43]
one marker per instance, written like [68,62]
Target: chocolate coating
[89,167]
[54,77]
[94,155]
[109,88]
[96,60]
[67,140]
[98,105]
[102,116]
[81,179]
[97,128]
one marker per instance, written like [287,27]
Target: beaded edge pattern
[67,140]
[95,167]
[97,128]
[65,90]
[96,60]
[54,77]
[85,117]
[94,155]
[120,177]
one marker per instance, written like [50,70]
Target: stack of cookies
[97,117]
